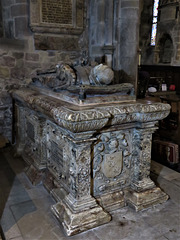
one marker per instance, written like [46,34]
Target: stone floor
[25,210]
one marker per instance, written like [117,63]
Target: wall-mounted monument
[57,25]
[89,141]
[63,16]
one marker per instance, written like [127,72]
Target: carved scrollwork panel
[141,156]
[34,150]
[80,180]
[58,154]
[111,161]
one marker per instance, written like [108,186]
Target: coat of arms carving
[112,164]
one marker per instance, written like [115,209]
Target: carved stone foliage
[111,161]
[80,170]
[96,117]
[68,161]
[141,158]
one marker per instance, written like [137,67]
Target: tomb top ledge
[80,119]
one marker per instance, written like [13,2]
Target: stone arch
[165,46]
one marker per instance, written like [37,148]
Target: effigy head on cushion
[101,75]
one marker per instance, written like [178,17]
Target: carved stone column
[143,192]
[79,211]
[141,159]
[34,152]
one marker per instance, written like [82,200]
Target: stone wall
[29,44]
[23,51]
[19,56]
[168,30]
[168,27]
[114,33]
[147,51]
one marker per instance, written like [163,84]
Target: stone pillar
[79,211]
[141,159]
[101,30]
[108,48]
[126,36]
[143,192]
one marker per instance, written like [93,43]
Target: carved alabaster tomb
[89,141]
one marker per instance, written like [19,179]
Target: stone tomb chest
[91,151]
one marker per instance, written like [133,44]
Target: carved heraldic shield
[112,164]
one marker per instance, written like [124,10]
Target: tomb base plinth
[76,221]
[145,199]
[111,201]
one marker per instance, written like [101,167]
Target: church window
[154,22]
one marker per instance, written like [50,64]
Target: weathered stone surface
[115,23]
[75,223]
[19,73]
[19,10]
[8,61]
[51,54]
[5,99]
[145,199]
[100,116]
[56,43]
[96,157]
[130,4]
[4,72]
[6,115]
[19,63]
[111,201]
[130,13]
[7,2]
[33,65]
[32,56]
[18,55]
[80,13]
[21,27]
[9,29]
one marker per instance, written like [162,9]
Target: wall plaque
[62,16]
[59,12]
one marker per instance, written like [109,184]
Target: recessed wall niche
[62,16]
[166,49]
